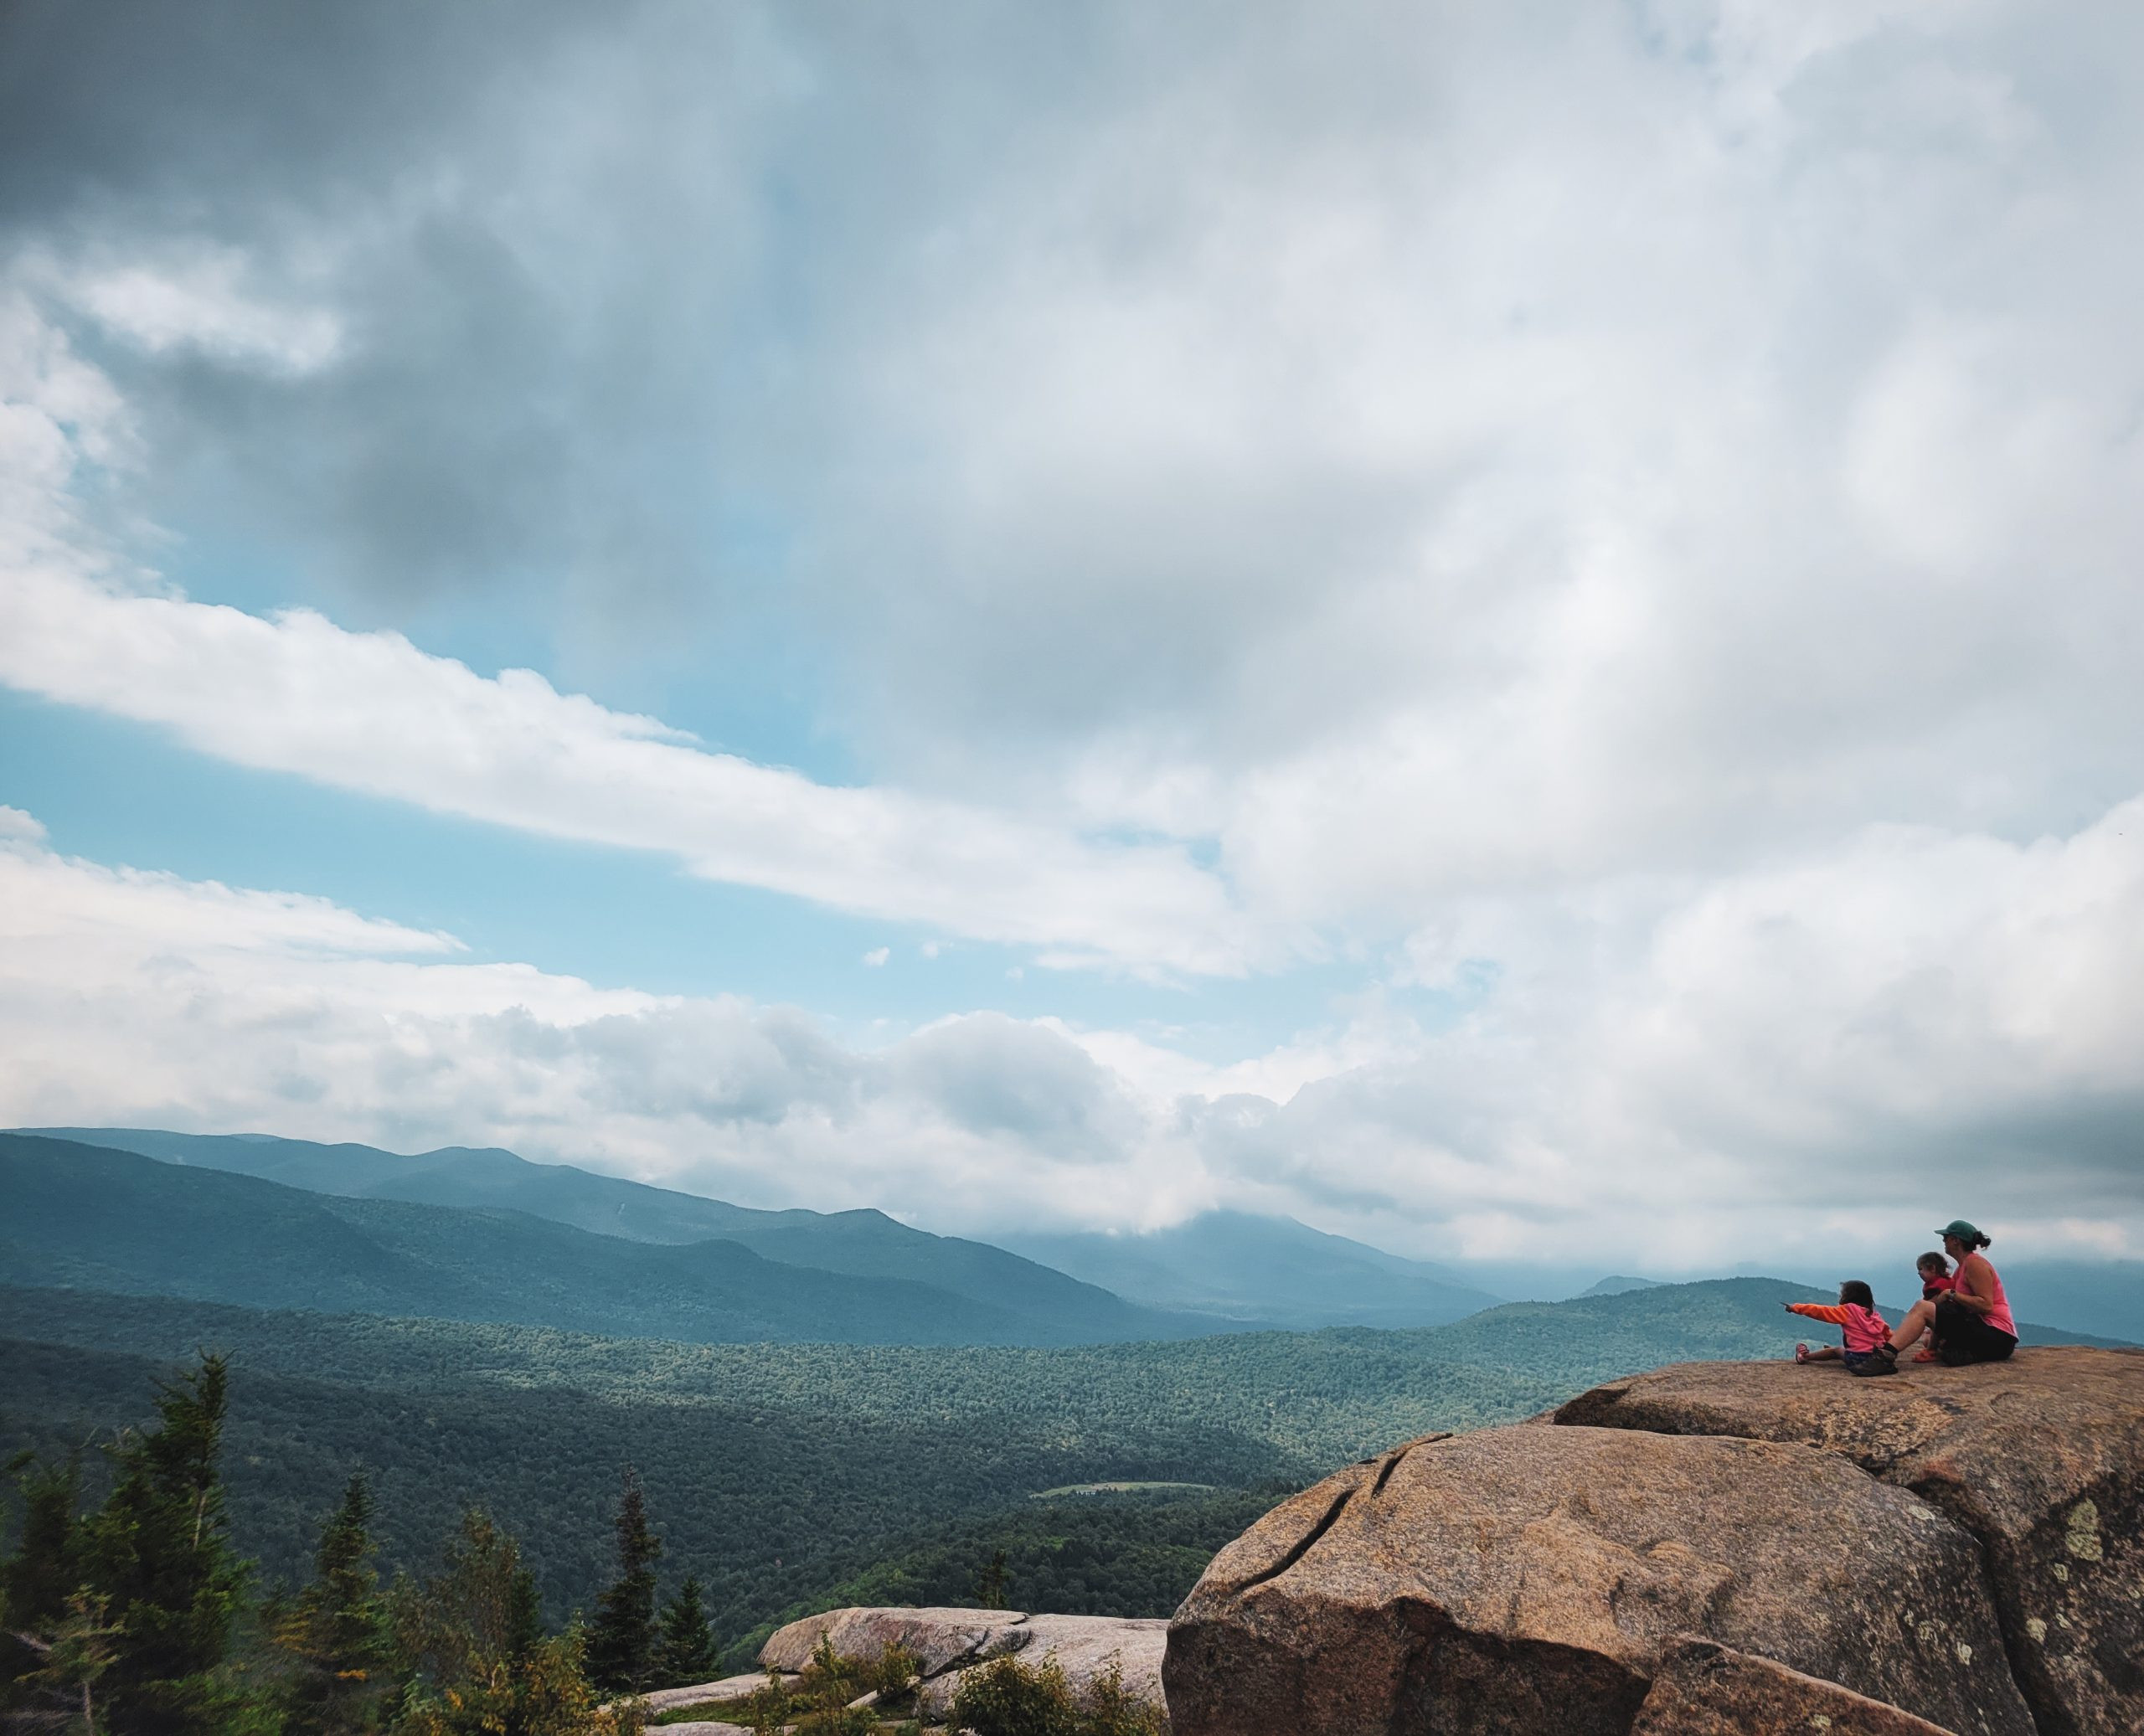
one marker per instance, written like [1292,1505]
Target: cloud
[1790,1065]
[1619,523]
[877,956]
[199,304]
[370,712]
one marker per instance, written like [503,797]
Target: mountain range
[1237,1266]
[95,1217]
[1219,1272]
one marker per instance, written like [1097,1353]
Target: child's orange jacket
[1862,1328]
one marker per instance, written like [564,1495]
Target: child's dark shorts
[1855,1358]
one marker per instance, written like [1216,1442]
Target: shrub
[1006,1698]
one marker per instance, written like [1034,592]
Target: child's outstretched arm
[1819,1310]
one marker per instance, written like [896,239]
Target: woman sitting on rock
[1970,1322]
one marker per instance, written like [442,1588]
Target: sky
[1512,630]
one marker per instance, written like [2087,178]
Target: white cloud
[877,956]
[371,712]
[1791,1065]
[198,300]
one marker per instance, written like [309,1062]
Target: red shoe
[1800,1352]
[1927,1356]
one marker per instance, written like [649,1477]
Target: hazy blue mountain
[1057,1309]
[1617,1284]
[88,1216]
[1238,1266]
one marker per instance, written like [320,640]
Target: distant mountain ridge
[1238,1266]
[97,1217]
[1055,1308]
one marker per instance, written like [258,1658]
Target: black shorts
[1963,1337]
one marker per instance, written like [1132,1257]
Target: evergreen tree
[54,1642]
[477,1660]
[622,1639]
[157,1552]
[335,1633]
[45,1570]
[990,1585]
[689,1653]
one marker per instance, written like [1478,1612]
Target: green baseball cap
[1962,1230]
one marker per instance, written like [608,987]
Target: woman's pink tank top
[1998,1316]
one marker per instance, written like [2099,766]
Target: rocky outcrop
[2040,1458]
[1532,1579]
[949,1642]
[1703,1689]
[940,1637]
[1722,1547]
[713,1695]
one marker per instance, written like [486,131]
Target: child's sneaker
[1800,1352]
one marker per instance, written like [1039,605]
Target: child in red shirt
[1868,1336]
[1936,1282]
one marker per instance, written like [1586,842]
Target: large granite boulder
[1538,1580]
[940,1637]
[2041,1458]
[1705,1689]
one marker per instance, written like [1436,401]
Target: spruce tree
[158,1553]
[39,1587]
[990,1585]
[477,1658]
[335,1633]
[37,1579]
[687,1654]
[621,1639]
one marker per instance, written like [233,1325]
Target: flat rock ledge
[949,1642]
[1712,1548]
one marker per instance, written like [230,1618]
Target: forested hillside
[98,1218]
[1052,1307]
[782,1472]
[788,1474]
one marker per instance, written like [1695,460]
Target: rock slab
[1534,1579]
[952,1642]
[2041,1458]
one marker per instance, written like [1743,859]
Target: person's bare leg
[1822,1353]
[1919,1318]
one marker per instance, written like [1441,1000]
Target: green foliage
[88,1215]
[42,1573]
[688,1653]
[847,1474]
[990,1582]
[335,1639]
[830,1454]
[822,1700]
[157,1551]
[59,1679]
[621,1641]
[1007,1696]
[476,1664]
[1128,1554]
